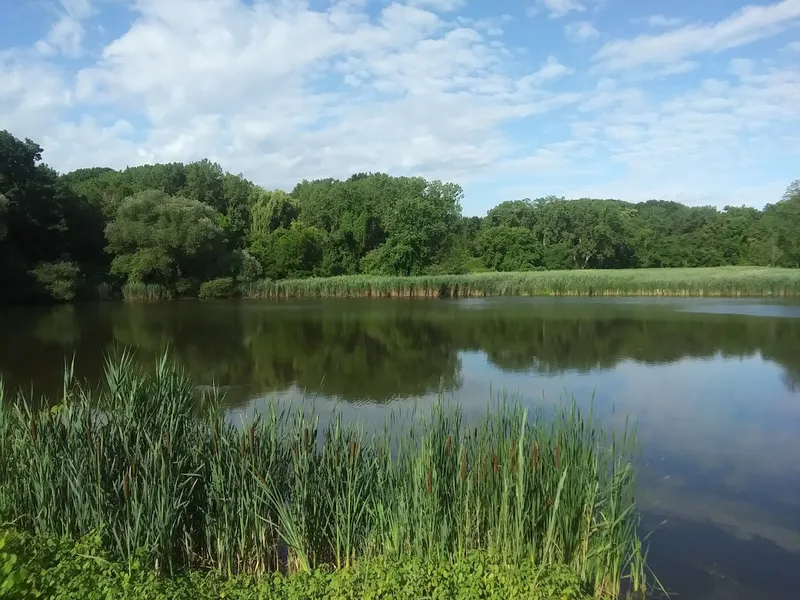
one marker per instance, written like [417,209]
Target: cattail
[168,443]
[126,486]
[535,455]
[34,428]
[464,467]
[430,481]
[483,469]
[305,436]
[447,445]
[241,447]
[88,434]
[558,458]
[252,436]
[495,462]
[512,455]
[353,450]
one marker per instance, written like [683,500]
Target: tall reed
[145,292]
[718,281]
[165,475]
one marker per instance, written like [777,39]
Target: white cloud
[439,5]
[67,33]
[281,92]
[747,25]
[560,8]
[794,46]
[580,31]
[408,92]
[662,21]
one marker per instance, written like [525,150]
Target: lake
[714,386]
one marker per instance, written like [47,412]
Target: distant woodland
[195,229]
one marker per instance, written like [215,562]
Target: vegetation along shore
[187,230]
[140,487]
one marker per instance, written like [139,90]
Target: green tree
[290,253]
[168,240]
[507,248]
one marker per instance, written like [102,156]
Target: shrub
[40,567]
[222,287]
[59,280]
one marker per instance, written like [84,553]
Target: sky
[687,100]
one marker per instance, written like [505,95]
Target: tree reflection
[379,350]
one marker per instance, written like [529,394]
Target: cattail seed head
[495,463]
[558,458]
[430,481]
[126,486]
[464,467]
[447,445]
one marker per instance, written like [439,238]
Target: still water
[714,386]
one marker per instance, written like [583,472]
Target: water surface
[714,386]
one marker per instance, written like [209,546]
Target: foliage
[507,248]
[293,252]
[165,240]
[176,225]
[223,287]
[173,488]
[61,569]
[722,281]
[59,279]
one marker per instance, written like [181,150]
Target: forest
[193,229]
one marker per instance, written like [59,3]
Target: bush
[222,287]
[59,280]
[38,567]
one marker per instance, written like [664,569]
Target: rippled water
[714,386]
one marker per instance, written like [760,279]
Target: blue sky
[631,99]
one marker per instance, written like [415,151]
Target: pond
[714,386]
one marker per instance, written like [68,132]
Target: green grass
[172,483]
[717,281]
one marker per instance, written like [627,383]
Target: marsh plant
[715,282]
[166,477]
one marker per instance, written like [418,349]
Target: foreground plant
[170,481]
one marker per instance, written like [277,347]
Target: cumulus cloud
[560,8]
[67,33]
[580,31]
[284,90]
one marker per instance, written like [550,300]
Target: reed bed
[145,292]
[167,478]
[718,281]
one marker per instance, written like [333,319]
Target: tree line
[193,228]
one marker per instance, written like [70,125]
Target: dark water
[713,384]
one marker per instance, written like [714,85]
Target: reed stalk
[166,477]
[715,282]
